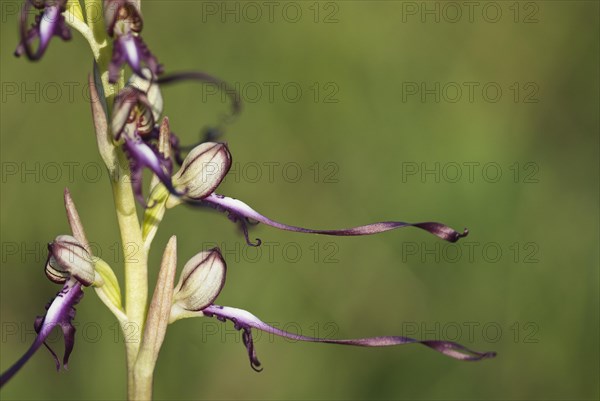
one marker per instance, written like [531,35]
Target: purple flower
[124,23]
[70,263]
[136,111]
[134,123]
[202,279]
[48,23]
[198,183]
[199,193]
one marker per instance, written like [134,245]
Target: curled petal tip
[257,243]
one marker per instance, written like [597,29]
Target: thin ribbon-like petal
[211,134]
[240,212]
[244,320]
[60,312]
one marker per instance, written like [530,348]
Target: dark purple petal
[130,48]
[211,134]
[60,312]
[244,320]
[240,212]
[141,155]
[50,22]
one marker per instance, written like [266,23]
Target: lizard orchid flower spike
[132,135]
[124,23]
[48,23]
[202,279]
[201,180]
[70,264]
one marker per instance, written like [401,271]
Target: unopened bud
[68,257]
[203,170]
[201,281]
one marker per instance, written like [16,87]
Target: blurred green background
[351,140]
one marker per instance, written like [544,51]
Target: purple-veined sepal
[48,23]
[246,321]
[201,172]
[67,257]
[200,282]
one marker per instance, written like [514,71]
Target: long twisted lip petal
[240,212]
[244,320]
[60,312]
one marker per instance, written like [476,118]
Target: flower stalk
[156,325]
[130,139]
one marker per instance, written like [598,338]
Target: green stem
[139,383]
[136,271]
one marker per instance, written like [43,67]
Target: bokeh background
[524,283]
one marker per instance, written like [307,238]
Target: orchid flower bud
[203,170]
[201,281]
[68,257]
